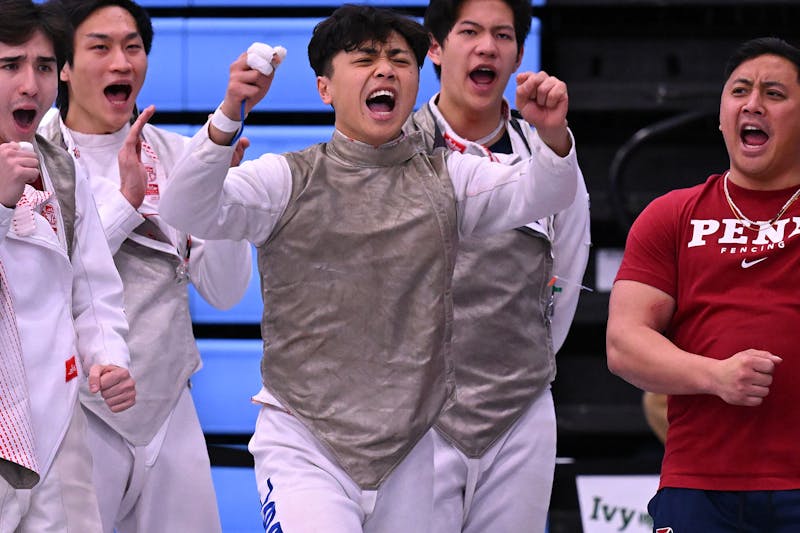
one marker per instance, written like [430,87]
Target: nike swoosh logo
[748,264]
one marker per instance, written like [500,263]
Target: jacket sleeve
[494,197]
[208,198]
[571,243]
[117,216]
[97,303]
[6,214]
[220,270]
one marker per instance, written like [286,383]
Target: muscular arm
[639,352]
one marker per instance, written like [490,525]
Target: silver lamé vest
[61,170]
[501,336]
[356,281]
[163,350]
[502,345]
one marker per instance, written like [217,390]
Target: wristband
[224,124]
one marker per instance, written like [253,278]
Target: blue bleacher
[192,56]
[165,85]
[237,497]
[221,391]
[247,311]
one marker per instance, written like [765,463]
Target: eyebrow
[105,36]
[21,57]
[507,27]
[393,52]
[398,52]
[768,83]
[370,50]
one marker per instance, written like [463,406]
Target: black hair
[352,25]
[22,18]
[441,16]
[759,47]
[78,11]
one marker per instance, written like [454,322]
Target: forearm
[647,359]
[559,140]
[192,199]
[208,199]
[118,218]
[496,198]
[98,305]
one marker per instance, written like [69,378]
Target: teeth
[382,92]
[750,128]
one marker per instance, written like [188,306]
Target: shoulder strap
[515,118]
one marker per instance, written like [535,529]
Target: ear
[324,89]
[64,74]
[519,57]
[435,52]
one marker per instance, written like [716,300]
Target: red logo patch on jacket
[71,368]
[152,185]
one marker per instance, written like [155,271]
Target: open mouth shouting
[752,136]
[25,119]
[483,76]
[118,93]
[381,102]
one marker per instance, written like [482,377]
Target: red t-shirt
[734,289]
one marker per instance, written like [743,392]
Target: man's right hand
[245,83]
[745,377]
[114,384]
[132,174]
[20,167]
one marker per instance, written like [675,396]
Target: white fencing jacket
[65,308]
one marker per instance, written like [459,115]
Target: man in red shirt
[704,309]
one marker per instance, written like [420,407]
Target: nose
[487,46]
[384,68]
[27,81]
[754,103]
[119,60]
